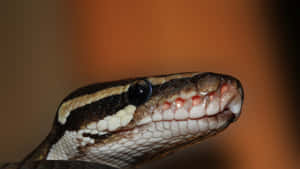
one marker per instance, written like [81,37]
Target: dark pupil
[139,93]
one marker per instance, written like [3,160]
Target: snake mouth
[193,112]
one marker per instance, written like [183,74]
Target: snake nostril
[208,84]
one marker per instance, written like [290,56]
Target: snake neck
[42,150]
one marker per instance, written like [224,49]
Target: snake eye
[139,92]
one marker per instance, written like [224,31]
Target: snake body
[125,123]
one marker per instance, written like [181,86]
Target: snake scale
[123,124]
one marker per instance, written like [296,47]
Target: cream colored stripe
[161,80]
[70,105]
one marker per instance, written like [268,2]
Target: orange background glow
[111,40]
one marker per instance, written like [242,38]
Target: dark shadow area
[285,19]
[202,155]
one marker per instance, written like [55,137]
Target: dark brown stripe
[110,105]
[92,88]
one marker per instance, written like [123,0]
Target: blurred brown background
[50,48]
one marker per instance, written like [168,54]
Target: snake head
[128,122]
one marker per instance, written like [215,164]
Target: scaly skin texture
[125,123]
[49,164]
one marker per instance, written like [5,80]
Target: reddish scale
[179,102]
[166,105]
[211,95]
[224,88]
[196,100]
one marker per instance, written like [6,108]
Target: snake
[124,124]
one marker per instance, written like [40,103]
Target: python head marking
[127,122]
